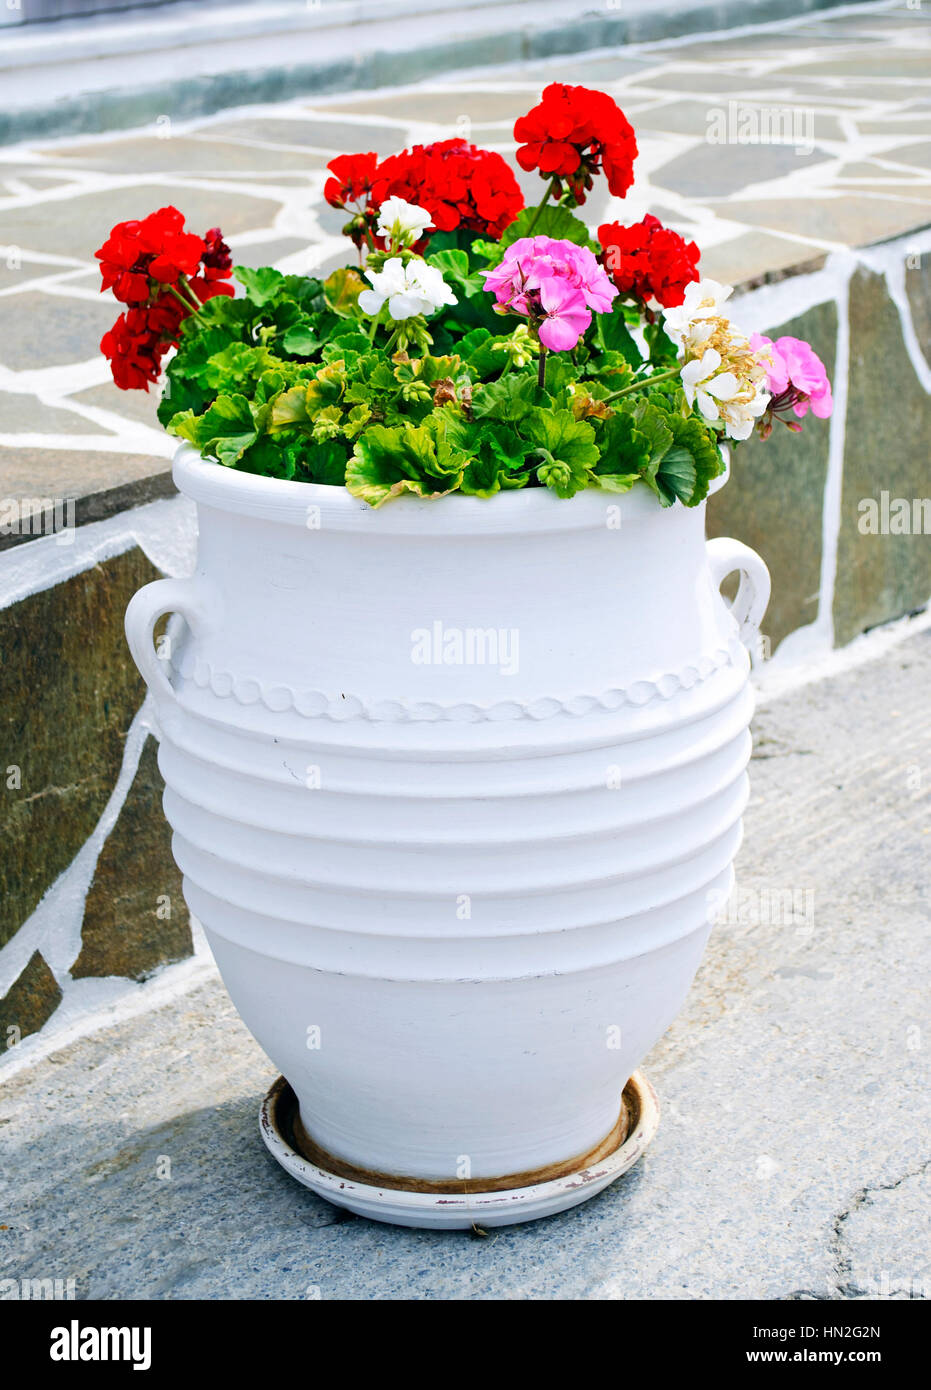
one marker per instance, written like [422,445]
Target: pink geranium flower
[555,284]
[566,314]
[797,380]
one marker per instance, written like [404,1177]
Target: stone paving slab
[791,1160]
[193,59]
[838,163]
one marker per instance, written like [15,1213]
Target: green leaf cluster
[291,380]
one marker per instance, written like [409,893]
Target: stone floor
[770,147]
[791,1159]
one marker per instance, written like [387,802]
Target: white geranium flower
[703,300]
[700,384]
[408,288]
[402,223]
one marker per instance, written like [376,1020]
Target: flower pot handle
[145,608]
[726,555]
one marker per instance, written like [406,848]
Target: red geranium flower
[157,248]
[459,184]
[352,179]
[138,341]
[206,289]
[648,260]
[161,272]
[572,134]
[218,263]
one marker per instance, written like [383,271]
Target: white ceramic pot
[452,786]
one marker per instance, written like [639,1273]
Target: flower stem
[642,385]
[193,301]
[182,299]
[550,188]
[541,370]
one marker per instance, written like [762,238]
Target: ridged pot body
[457,886]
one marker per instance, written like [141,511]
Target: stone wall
[837,511]
[91,899]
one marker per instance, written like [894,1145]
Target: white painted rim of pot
[521,510]
[448,1211]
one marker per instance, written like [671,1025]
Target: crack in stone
[862,1196]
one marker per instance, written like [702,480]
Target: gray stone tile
[139,406]
[190,155]
[80,224]
[444,104]
[271,252]
[15,270]
[897,125]
[100,484]
[21,414]
[895,62]
[31,176]
[918,154]
[757,255]
[44,330]
[689,117]
[717,170]
[855,220]
[342,137]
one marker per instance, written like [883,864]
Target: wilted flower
[719,368]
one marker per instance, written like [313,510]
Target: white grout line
[842,266]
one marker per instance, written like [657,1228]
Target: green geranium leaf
[615,336]
[237,367]
[663,351]
[551,221]
[407,458]
[325,387]
[290,409]
[262,286]
[616,482]
[691,438]
[302,338]
[567,447]
[624,448]
[454,267]
[325,463]
[655,425]
[676,476]
[225,430]
[512,397]
[341,291]
[496,454]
